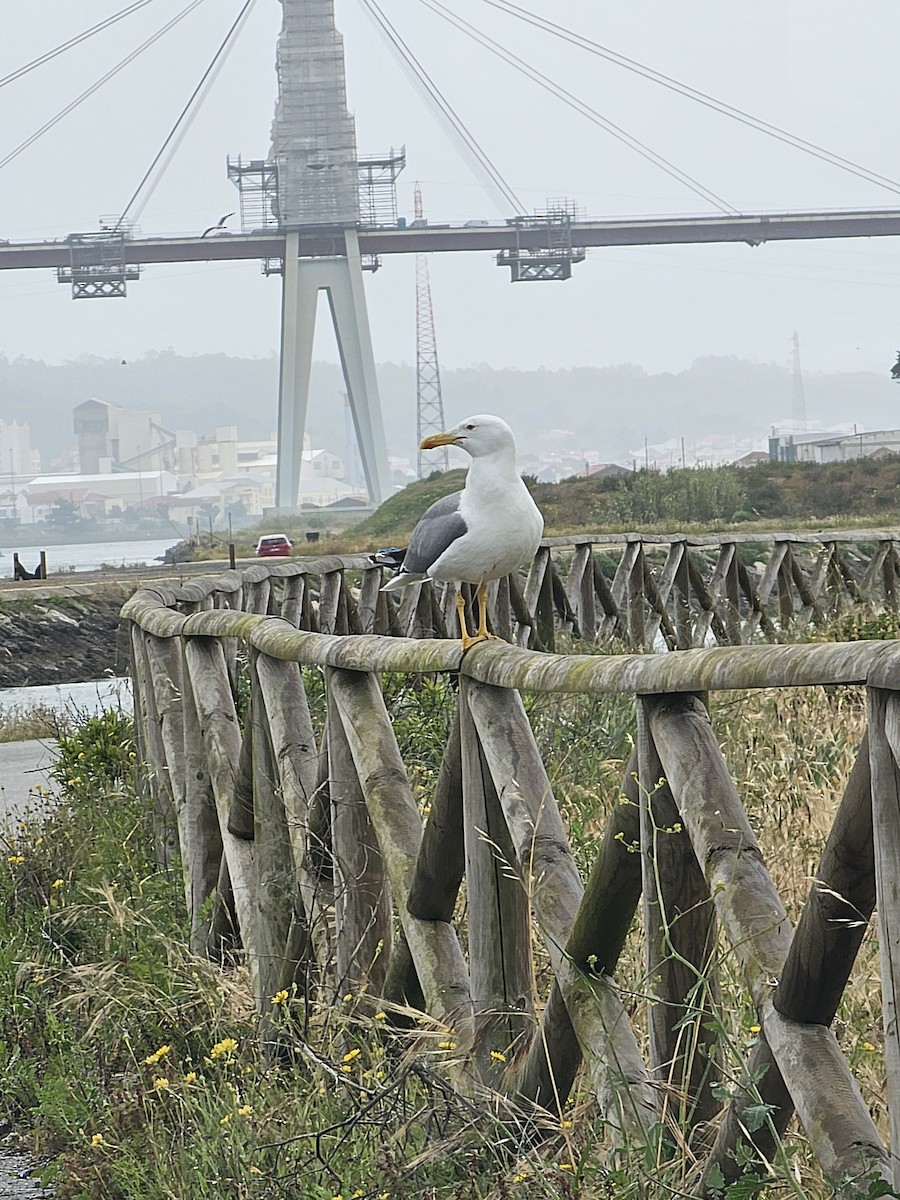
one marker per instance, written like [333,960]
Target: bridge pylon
[340,277]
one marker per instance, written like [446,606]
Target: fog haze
[823,70]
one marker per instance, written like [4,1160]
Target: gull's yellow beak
[438,439]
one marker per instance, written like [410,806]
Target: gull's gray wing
[439,526]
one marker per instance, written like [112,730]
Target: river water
[76,699]
[83,556]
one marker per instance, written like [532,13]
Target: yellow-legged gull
[481,533]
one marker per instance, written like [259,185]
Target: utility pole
[798,407]
[429,405]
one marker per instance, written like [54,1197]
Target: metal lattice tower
[798,406]
[429,405]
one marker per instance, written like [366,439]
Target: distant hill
[606,410]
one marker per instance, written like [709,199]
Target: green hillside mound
[395,519]
[772,494]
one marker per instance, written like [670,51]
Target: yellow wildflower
[497,1056]
[160,1083]
[446,1045]
[57,883]
[157,1055]
[565,1166]
[224,1120]
[245,1110]
[755,1028]
[16,858]
[380,1016]
[350,1055]
[226,1046]
[98,1140]
[867,1046]
[190,1077]
[280,997]
[348,997]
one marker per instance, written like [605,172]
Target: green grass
[135,1065]
[770,496]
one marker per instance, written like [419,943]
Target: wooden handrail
[325,876]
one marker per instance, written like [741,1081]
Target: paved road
[23,765]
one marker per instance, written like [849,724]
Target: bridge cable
[442,108]
[581,107]
[73,41]
[186,117]
[708,101]
[129,58]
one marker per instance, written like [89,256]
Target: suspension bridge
[318,214]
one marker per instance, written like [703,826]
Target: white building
[833,447]
[94,495]
[17,459]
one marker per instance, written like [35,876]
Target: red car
[274,545]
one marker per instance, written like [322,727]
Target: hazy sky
[823,70]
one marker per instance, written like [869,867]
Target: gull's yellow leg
[482,631]
[461,615]
[467,640]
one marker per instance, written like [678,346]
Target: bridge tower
[314,182]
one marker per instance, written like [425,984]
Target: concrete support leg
[341,279]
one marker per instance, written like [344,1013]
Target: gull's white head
[479,436]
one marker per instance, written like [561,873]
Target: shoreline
[31,537]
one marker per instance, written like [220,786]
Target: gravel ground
[16,1181]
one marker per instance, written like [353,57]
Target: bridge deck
[752,228]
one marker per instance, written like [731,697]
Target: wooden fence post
[275,883]
[818,963]
[680,942]
[433,945]
[441,861]
[543,857]
[836,1121]
[201,837]
[361,899]
[165,820]
[207,683]
[292,600]
[884,757]
[297,760]
[497,909]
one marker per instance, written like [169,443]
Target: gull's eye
[470,427]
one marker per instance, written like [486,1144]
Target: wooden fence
[321,866]
[637,591]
